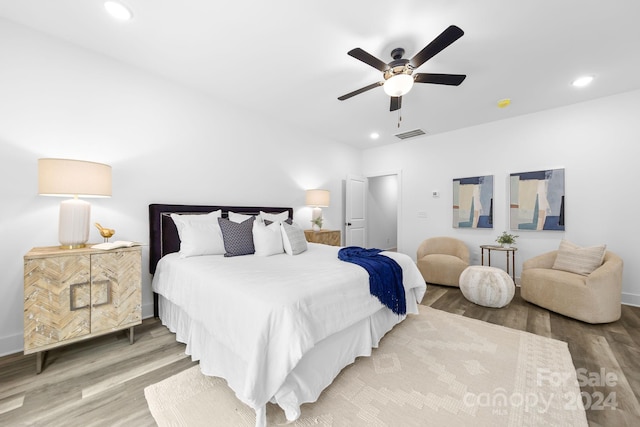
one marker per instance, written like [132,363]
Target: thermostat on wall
[435,193]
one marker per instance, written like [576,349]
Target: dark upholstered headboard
[163,235]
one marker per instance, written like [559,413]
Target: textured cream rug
[434,369]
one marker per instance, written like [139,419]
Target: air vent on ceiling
[411,134]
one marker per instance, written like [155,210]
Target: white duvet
[267,312]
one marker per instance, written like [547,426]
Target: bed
[277,328]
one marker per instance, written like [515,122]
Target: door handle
[108,291]
[348,224]
[72,296]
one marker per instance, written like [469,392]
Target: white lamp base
[73,226]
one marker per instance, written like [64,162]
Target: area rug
[434,369]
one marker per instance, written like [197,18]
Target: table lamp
[73,178]
[318,199]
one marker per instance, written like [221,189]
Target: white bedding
[263,314]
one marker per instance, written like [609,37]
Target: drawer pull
[72,299]
[108,298]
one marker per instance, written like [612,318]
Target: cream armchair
[595,298]
[441,260]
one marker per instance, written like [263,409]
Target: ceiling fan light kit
[398,85]
[398,74]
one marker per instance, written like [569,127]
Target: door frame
[398,173]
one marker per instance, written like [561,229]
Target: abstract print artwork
[537,200]
[473,202]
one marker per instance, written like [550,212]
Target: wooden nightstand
[74,294]
[327,237]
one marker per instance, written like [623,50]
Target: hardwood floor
[101,382]
[98,382]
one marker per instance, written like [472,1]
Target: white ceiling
[287,59]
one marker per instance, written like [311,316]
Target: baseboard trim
[147,310]
[11,344]
[631,299]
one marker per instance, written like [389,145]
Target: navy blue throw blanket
[385,276]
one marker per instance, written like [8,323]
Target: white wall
[596,142]
[166,144]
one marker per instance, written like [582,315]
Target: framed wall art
[537,200]
[473,202]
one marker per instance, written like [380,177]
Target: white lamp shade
[398,85]
[64,177]
[317,198]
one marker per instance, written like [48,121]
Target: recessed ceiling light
[118,10]
[374,135]
[582,81]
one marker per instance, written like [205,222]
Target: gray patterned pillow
[293,239]
[238,237]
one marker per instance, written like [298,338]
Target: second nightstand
[327,237]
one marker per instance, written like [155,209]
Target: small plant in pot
[506,239]
[317,223]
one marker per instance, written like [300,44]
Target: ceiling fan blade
[439,79]
[368,59]
[359,91]
[396,103]
[448,36]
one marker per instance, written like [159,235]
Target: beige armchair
[595,298]
[441,260]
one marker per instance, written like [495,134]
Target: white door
[355,212]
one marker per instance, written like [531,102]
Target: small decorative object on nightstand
[327,237]
[74,294]
[106,233]
[316,224]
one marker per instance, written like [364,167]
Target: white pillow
[279,217]
[199,234]
[579,260]
[293,239]
[238,217]
[267,239]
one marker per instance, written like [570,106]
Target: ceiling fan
[398,74]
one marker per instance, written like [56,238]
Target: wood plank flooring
[100,382]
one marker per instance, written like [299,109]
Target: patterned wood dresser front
[327,237]
[75,294]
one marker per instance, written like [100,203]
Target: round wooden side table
[510,251]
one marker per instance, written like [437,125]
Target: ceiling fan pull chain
[399,117]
